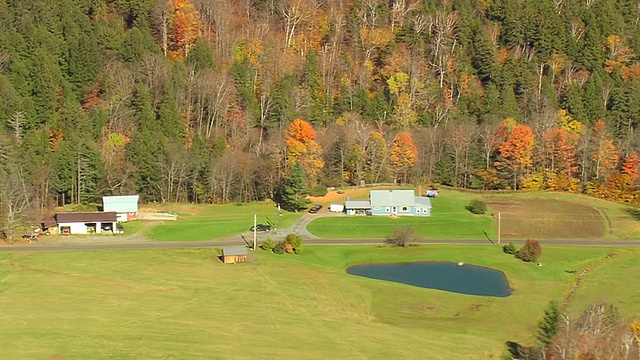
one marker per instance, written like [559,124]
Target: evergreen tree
[593,103]
[548,325]
[572,102]
[294,190]
[201,55]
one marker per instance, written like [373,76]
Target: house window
[425,210]
[404,208]
[417,210]
[376,208]
[387,209]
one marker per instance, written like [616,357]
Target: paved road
[138,242]
[162,245]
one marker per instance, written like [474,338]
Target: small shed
[234,254]
[126,206]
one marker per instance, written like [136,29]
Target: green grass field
[187,305]
[206,222]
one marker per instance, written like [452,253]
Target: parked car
[260,227]
[315,208]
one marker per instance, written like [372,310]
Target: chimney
[419,190]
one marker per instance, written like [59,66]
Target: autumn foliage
[302,147]
[403,155]
[516,153]
[185,29]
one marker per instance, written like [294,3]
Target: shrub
[401,237]
[510,248]
[288,248]
[530,251]
[279,248]
[477,207]
[318,190]
[268,245]
[295,241]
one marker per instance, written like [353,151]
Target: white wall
[81,228]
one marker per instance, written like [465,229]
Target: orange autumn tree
[516,153]
[303,148]
[605,156]
[630,165]
[185,28]
[621,186]
[403,155]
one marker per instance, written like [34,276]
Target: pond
[447,276]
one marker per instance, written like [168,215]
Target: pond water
[447,276]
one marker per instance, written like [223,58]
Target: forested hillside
[218,100]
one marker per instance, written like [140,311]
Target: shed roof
[48,222]
[120,203]
[86,217]
[392,197]
[234,250]
[357,204]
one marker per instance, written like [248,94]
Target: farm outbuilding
[126,206]
[85,223]
[234,254]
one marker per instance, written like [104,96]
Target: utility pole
[255,232]
[499,228]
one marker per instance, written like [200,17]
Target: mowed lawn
[206,222]
[186,305]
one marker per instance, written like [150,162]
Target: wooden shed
[234,254]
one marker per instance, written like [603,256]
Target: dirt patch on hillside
[547,219]
[192,209]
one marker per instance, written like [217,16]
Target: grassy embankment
[185,304]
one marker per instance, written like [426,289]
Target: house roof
[120,203]
[423,201]
[86,217]
[392,197]
[357,204]
[234,250]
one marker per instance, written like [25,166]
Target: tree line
[218,101]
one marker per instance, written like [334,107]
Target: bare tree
[14,191]
[174,167]
[161,18]
[443,42]
[16,122]
[399,11]
[294,12]
[600,333]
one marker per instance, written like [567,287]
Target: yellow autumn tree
[403,155]
[303,148]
